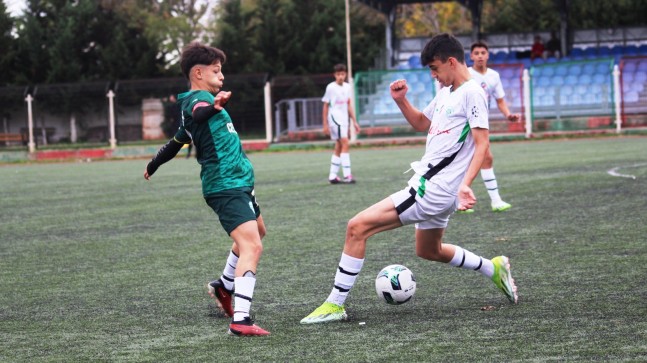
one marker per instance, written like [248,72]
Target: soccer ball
[395,284]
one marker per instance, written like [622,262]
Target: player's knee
[355,229]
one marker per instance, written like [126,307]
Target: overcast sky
[15,7]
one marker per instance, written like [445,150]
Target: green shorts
[234,207]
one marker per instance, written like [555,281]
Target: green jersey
[218,147]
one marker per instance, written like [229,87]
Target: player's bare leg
[489,179]
[222,289]
[248,240]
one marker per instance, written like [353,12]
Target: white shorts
[432,210]
[338,130]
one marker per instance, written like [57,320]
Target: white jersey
[490,82]
[450,145]
[337,97]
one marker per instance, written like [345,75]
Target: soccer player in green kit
[227,180]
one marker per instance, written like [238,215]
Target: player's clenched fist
[220,100]
[398,89]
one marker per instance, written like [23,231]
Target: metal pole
[616,97]
[111,110]
[30,123]
[267,92]
[349,61]
[527,102]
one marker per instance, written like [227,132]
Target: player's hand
[357,128]
[514,117]
[398,89]
[146,176]
[221,98]
[466,198]
[326,130]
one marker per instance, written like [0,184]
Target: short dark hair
[442,46]
[340,67]
[479,44]
[196,53]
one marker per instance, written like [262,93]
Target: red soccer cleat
[222,296]
[246,327]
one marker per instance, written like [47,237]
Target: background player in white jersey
[337,116]
[456,122]
[491,82]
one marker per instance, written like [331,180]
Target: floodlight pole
[349,65]
[30,123]
[111,111]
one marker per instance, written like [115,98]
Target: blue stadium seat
[638,87]
[581,89]
[629,67]
[642,50]
[631,97]
[627,77]
[617,50]
[557,80]
[603,68]
[590,52]
[561,71]
[414,62]
[604,51]
[544,81]
[576,52]
[600,78]
[575,69]
[566,90]
[642,66]
[586,79]
[547,71]
[571,80]
[631,50]
[588,68]
[538,92]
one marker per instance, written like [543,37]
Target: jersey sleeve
[182,136]
[327,96]
[476,109]
[497,90]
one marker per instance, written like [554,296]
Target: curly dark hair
[442,46]
[196,53]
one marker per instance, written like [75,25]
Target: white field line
[614,171]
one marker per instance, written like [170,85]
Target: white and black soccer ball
[395,284]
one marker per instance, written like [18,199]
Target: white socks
[228,273]
[467,260]
[335,162]
[345,164]
[243,295]
[349,268]
[491,185]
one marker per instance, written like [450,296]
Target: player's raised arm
[415,117]
[165,153]
[203,111]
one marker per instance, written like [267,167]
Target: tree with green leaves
[8,45]
[295,37]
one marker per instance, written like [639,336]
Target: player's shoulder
[492,73]
[472,86]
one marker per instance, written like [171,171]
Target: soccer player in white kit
[338,114]
[490,81]
[456,122]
